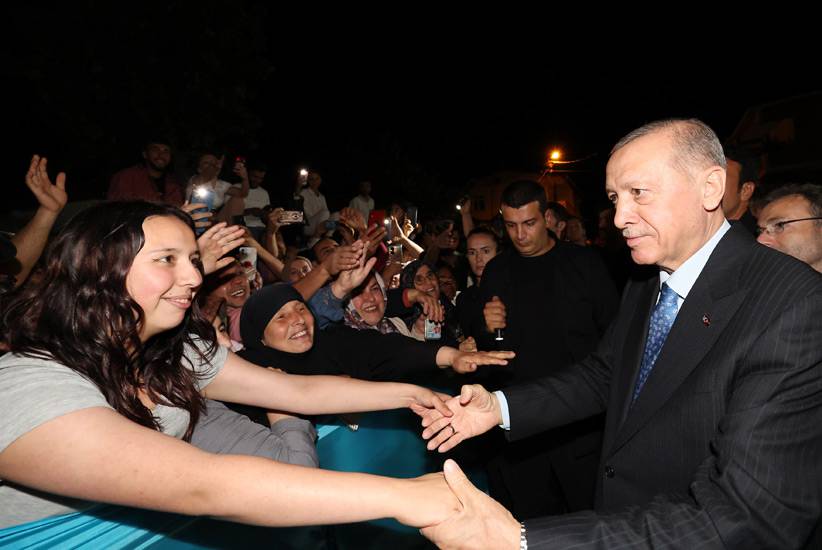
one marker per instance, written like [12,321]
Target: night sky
[425,110]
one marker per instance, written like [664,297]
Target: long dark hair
[78,312]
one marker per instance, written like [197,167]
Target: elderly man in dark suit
[710,376]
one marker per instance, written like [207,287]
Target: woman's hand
[201,219]
[469,344]
[353,219]
[468,361]
[272,220]
[350,279]
[215,243]
[52,197]
[431,307]
[425,501]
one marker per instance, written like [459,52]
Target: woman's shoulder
[35,390]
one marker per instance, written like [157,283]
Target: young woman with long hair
[109,364]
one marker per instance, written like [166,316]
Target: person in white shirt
[363,202]
[257,199]
[315,208]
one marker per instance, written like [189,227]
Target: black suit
[558,305]
[723,447]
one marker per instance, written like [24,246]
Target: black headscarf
[258,311]
[362,354]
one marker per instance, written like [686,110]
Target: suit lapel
[632,353]
[706,312]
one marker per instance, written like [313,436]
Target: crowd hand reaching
[353,219]
[397,231]
[481,522]
[215,243]
[374,236]
[272,220]
[431,307]
[468,361]
[52,197]
[473,412]
[469,344]
[344,257]
[201,219]
[494,312]
[426,500]
[349,279]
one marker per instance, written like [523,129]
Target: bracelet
[523,542]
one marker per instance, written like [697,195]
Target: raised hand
[51,196]
[473,412]
[344,257]
[201,219]
[350,279]
[353,219]
[431,307]
[216,242]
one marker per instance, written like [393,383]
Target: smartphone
[202,195]
[291,216]
[376,217]
[331,225]
[248,261]
[411,214]
[302,176]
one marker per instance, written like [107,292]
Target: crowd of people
[170,347]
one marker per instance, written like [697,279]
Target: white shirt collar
[682,280]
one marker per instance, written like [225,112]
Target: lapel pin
[706,320]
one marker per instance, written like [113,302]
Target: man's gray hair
[695,145]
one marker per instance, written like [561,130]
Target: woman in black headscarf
[278,331]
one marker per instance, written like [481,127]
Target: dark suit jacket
[723,447]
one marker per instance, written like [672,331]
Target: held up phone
[331,225]
[248,261]
[411,214]
[202,195]
[291,216]
[302,176]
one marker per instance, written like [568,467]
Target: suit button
[609,471]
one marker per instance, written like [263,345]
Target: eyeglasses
[776,228]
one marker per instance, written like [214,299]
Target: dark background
[418,104]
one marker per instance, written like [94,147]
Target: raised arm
[51,197]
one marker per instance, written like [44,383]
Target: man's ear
[713,187]
[746,191]
[561,228]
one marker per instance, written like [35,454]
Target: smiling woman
[110,356]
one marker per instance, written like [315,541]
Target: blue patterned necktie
[661,320]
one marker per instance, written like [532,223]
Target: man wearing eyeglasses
[791,222]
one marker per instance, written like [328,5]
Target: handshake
[471,519]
